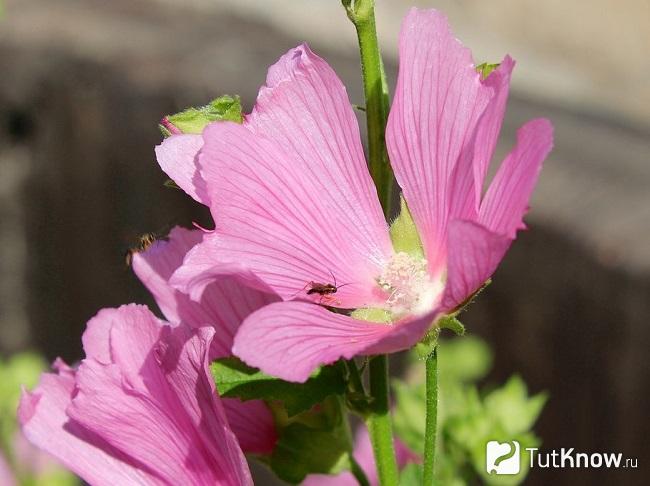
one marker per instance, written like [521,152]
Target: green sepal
[404,233]
[486,68]
[452,323]
[234,379]
[170,184]
[194,120]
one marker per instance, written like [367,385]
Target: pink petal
[489,126]
[291,195]
[253,424]
[96,337]
[474,254]
[291,339]
[438,101]
[223,305]
[6,475]
[46,425]
[507,197]
[156,402]
[177,158]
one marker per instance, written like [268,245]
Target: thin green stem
[358,473]
[431,418]
[355,376]
[362,14]
[379,423]
[355,468]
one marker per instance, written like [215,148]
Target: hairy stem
[379,423]
[431,418]
[362,14]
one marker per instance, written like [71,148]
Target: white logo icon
[502,458]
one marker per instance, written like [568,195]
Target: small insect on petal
[144,242]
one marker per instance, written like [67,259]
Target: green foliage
[468,418]
[24,370]
[234,379]
[319,443]
[404,234]
[194,120]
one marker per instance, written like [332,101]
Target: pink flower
[294,204]
[223,306]
[141,408]
[7,477]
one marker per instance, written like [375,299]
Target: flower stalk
[362,15]
[431,418]
[379,423]
[375,87]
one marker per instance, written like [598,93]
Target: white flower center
[411,289]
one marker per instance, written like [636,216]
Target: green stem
[379,423]
[358,473]
[355,376]
[355,468]
[431,418]
[362,14]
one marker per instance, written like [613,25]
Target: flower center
[410,287]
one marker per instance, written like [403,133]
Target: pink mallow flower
[140,409]
[294,204]
[223,306]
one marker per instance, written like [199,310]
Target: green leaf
[234,379]
[409,412]
[303,450]
[194,120]
[404,234]
[411,475]
[465,360]
[314,442]
[513,409]
[486,68]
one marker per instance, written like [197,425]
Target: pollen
[409,286]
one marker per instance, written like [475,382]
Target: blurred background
[84,82]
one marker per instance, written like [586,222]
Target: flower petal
[253,424]
[291,194]
[177,158]
[6,475]
[489,126]
[291,339]
[223,304]
[506,200]
[156,402]
[474,254]
[45,424]
[439,99]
